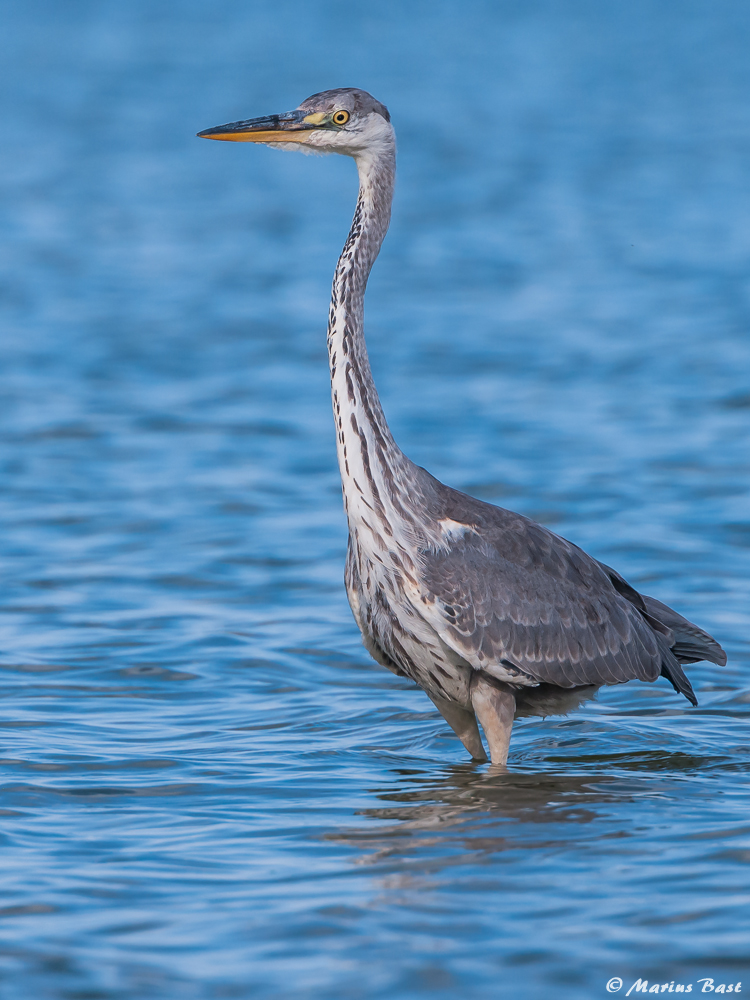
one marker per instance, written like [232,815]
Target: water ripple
[208,789]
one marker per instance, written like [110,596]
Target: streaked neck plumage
[374,472]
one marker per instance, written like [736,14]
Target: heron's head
[347,121]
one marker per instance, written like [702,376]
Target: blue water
[208,789]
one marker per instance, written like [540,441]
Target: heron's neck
[374,471]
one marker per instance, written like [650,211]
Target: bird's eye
[340,118]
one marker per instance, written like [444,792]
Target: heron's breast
[388,607]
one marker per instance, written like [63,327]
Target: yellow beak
[294,126]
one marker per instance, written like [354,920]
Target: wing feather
[510,590]
[514,598]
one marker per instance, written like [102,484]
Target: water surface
[208,789]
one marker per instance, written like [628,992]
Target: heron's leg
[495,706]
[464,725]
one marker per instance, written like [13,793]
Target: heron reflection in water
[491,614]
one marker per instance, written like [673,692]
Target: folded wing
[524,604]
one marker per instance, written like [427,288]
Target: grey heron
[491,614]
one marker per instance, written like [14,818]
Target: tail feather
[680,640]
[690,642]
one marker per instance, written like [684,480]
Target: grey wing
[689,642]
[514,596]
